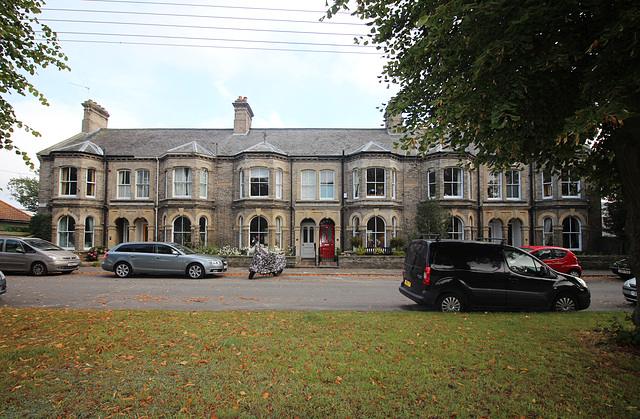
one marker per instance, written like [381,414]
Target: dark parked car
[459,275]
[558,258]
[629,290]
[161,259]
[3,284]
[622,269]
[30,254]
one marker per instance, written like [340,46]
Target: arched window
[88,232]
[547,231]
[457,229]
[394,225]
[278,242]
[66,232]
[571,233]
[327,183]
[240,228]
[376,232]
[203,230]
[356,226]
[259,231]
[182,230]
[308,185]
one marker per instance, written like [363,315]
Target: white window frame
[68,181]
[356,184]
[327,184]
[182,182]
[494,186]
[431,184]
[570,233]
[202,233]
[457,229]
[547,231]
[547,184]
[259,177]
[456,182]
[89,232]
[91,183]
[375,184]
[241,182]
[568,186]
[278,238]
[66,232]
[124,184]
[279,184]
[204,183]
[142,184]
[394,184]
[513,184]
[308,185]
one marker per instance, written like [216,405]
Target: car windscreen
[43,245]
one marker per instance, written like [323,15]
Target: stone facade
[306,189]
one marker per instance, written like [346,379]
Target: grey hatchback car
[30,254]
[159,258]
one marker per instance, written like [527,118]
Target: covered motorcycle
[266,263]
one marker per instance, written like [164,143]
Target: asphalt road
[296,289]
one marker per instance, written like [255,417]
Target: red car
[558,258]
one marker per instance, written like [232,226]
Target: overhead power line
[207,6]
[168,25]
[197,16]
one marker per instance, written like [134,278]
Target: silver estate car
[30,254]
[3,283]
[160,258]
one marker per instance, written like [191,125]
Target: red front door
[327,244]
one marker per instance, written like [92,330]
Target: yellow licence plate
[407,283]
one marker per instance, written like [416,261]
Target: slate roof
[303,142]
[10,213]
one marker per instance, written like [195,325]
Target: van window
[416,252]
[522,263]
[13,246]
[484,258]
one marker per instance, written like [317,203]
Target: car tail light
[426,277]
[105,255]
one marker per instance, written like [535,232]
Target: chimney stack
[392,122]
[243,115]
[95,116]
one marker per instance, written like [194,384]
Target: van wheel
[450,303]
[564,303]
[195,271]
[122,270]
[38,269]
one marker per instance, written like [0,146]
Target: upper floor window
[327,182]
[182,181]
[494,186]
[241,179]
[570,186]
[68,181]
[376,177]
[547,184]
[142,184]
[204,182]
[308,185]
[124,183]
[259,181]
[91,182]
[394,184]
[513,184]
[453,182]
[279,184]
[356,184]
[431,184]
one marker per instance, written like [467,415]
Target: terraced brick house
[306,189]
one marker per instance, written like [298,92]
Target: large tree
[25,191]
[556,83]
[25,46]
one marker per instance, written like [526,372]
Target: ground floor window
[66,232]
[571,234]
[259,231]
[376,231]
[88,233]
[182,230]
[457,229]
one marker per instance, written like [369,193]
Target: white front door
[308,241]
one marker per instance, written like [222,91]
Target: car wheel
[195,271]
[38,269]
[122,270]
[565,302]
[276,273]
[450,303]
[251,274]
[574,272]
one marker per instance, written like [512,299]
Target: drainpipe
[292,233]
[342,202]
[155,234]
[105,230]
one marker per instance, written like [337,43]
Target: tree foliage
[432,218]
[555,83]
[25,191]
[25,46]
[40,226]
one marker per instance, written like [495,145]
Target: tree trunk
[626,145]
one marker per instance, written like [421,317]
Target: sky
[181,64]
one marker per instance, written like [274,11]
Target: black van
[451,275]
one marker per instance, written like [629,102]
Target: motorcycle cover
[265,262]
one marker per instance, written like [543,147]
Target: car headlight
[581,282]
[56,258]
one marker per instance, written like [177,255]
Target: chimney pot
[243,116]
[95,116]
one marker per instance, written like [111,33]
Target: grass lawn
[71,363]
